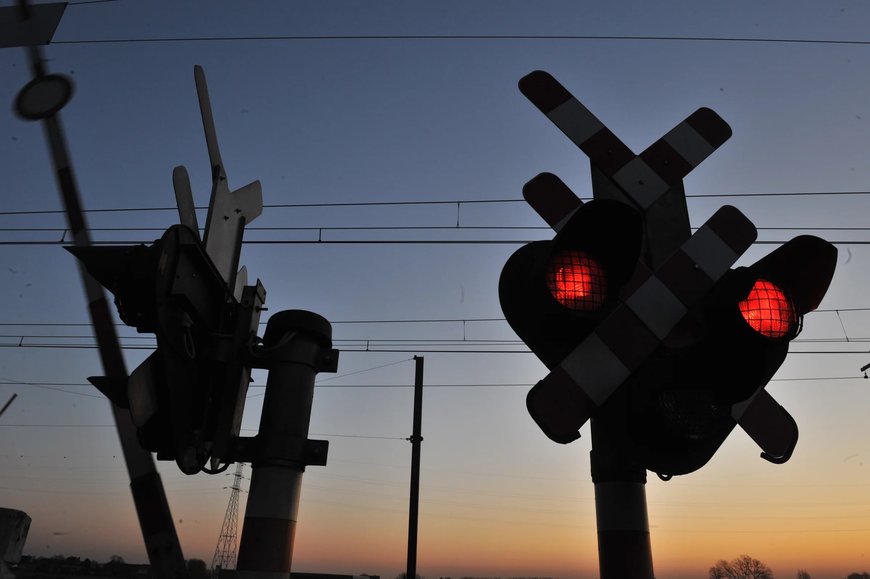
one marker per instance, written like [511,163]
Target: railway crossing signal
[691,395]
[554,293]
[647,306]
[187,398]
[180,396]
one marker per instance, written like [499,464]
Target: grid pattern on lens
[768,310]
[576,280]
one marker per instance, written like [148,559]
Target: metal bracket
[305,452]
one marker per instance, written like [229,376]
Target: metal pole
[155,519]
[297,345]
[416,439]
[624,549]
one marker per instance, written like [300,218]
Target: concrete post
[296,346]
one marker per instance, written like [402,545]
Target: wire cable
[424,202]
[378,321]
[371,242]
[395,350]
[469,37]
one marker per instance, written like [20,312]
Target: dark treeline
[60,567]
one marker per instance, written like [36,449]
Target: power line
[81,2]
[20,425]
[359,436]
[347,228]
[375,321]
[373,368]
[283,206]
[4,425]
[373,242]
[360,342]
[467,37]
[328,228]
[464,385]
[378,349]
[61,390]
[423,202]
[422,321]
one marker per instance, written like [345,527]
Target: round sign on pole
[43,96]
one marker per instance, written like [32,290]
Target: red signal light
[768,310]
[576,280]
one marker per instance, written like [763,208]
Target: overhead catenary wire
[313,234]
[390,321]
[20,339]
[328,435]
[327,228]
[82,2]
[467,37]
[303,205]
[404,386]
[373,242]
[409,349]
[59,336]
[283,206]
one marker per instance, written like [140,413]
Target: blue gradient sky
[439,120]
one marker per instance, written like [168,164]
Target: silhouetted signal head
[691,394]
[129,273]
[553,293]
[172,288]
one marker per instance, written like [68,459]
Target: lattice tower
[225,552]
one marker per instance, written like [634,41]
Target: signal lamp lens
[577,281]
[768,310]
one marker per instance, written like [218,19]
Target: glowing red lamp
[576,280]
[768,310]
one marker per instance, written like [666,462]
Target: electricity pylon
[225,552]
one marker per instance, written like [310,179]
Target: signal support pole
[624,548]
[42,99]
[297,344]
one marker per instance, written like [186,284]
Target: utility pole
[416,439]
[42,99]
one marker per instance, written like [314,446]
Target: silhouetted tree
[116,567]
[743,567]
[858,576]
[803,575]
[197,569]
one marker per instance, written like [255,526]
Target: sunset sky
[347,102]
